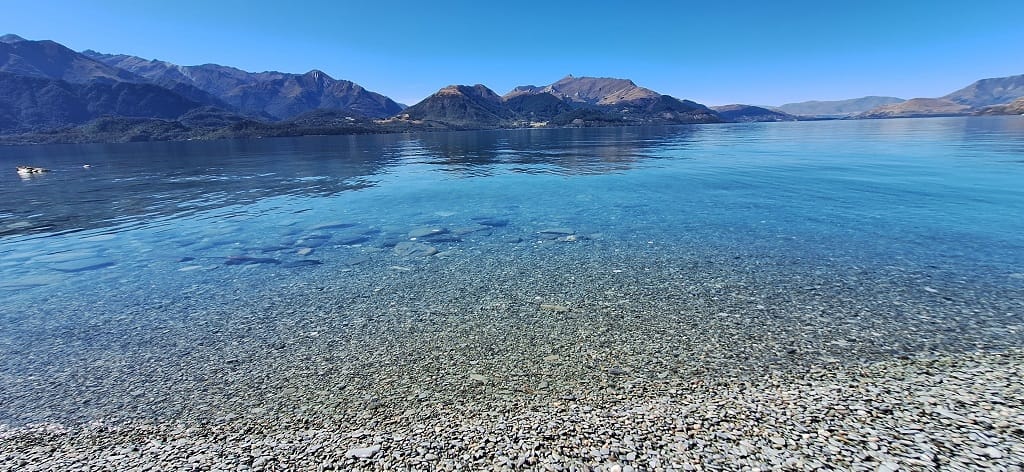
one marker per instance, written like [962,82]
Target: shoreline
[957,412]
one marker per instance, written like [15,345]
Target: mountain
[988,92]
[917,108]
[50,60]
[29,103]
[750,113]
[539,107]
[607,100]
[837,108]
[274,95]
[461,106]
[1015,107]
[572,101]
[971,99]
[590,90]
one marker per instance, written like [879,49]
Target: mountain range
[972,99]
[577,101]
[837,108]
[50,93]
[273,95]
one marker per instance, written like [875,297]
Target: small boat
[29,170]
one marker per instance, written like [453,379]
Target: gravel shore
[950,413]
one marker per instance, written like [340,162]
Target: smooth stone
[491,221]
[554,308]
[83,265]
[332,225]
[363,452]
[478,378]
[557,231]
[350,239]
[247,260]
[441,238]
[424,231]
[993,452]
[302,263]
[414,249]
[552,358]
[617,371]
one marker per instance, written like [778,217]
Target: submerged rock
[83,265]
[425,231]
[441,238]
[313,240]
[561,231]
[491,221]
[332,225]
[248,260]
[556,233]
[302,263]
[350,239]
[414,249]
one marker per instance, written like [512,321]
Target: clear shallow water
[196,280]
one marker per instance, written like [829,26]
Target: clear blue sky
[715,52]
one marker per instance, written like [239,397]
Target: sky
[766,52]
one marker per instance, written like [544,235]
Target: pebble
[363,452]
[554,308]
[478,378]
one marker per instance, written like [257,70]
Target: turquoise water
[191,280]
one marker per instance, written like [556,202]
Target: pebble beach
[471,360]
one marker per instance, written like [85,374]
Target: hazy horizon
[746,52]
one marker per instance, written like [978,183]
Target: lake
[321,278]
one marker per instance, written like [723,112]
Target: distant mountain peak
[590,90]
[318,75]
[477,90]
[11,38]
